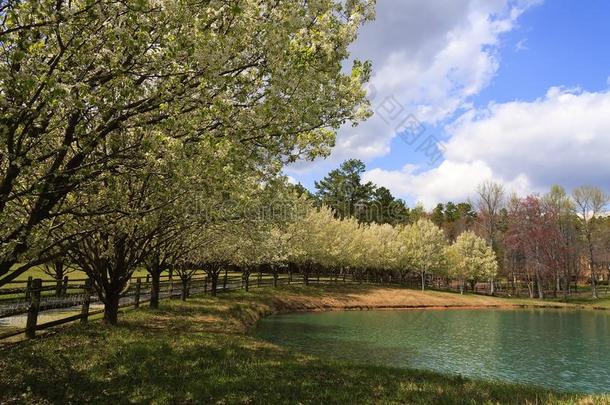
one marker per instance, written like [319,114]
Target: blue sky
[516,90]
[567,42]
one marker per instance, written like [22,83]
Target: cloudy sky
[517,91]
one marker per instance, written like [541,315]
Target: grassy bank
[587,301]
[197,352]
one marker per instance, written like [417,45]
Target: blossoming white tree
[424,248]
[471,258]
[77,76]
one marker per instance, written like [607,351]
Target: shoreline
[300,299]
[294,305]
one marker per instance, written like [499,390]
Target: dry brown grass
[237,312]
[378,297]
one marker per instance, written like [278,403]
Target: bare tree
[58,268]
[490,200]
[590,202]
[489,203]
[558,202]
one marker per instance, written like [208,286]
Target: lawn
[585,299]
[199,352]
[38,272]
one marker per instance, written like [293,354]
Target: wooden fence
[80,296]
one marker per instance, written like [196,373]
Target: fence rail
[80,298]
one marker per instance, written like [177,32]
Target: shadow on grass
[195,353]
[214,368]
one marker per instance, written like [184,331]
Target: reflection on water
[561,349]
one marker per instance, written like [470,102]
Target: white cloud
[562,138]
[432,56]
[521,45]
[435,185]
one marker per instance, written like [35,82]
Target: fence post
[28,288]
[289,277]
[171,288]
[86,302]
[136,303]
[30,329]
[205,285]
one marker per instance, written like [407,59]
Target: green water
[566,350]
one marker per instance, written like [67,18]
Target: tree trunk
[423,280]
[593,282]
[539,284]
[566,285]
[59,286]
[214,277]
[154,290]
[184,292]
[58,270]
[557,284]
[246,277]
[592,265]
[64,288]
[111,308]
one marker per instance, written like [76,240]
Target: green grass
[603,302]
[37,272]
[198,352]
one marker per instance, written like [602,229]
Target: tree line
[544,243]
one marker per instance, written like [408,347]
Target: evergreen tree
[386,209]
[343,191]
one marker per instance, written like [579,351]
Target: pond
[566,350]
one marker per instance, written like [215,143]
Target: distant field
[37,272]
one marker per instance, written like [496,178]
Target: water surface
[566,350]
